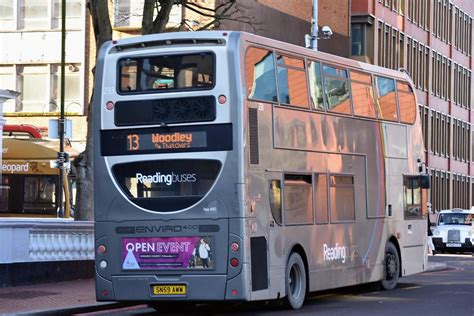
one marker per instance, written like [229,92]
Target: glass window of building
[73,13]
[33,84]
[34,14]
[72,89]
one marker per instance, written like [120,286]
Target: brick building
[432,39]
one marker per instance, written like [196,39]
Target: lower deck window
[412,197]
[298,199]
[275,200]
[321,198]
[342,201]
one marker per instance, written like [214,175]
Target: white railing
[50,245]
[31,240]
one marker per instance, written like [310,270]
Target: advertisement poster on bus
[165,253]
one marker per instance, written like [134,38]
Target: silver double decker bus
[233,167]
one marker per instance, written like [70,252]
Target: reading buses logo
[336,253]
[167,179]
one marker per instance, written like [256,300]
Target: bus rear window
[166,72]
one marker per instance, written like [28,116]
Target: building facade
[432,40]
[30,60]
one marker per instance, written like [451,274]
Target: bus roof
[203,38]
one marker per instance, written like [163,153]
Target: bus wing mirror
[425,182]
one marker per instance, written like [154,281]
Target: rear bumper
[202,287]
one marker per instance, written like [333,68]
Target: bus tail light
[234,247]
[234,262]
[222,99]
[101,249]
[109,105]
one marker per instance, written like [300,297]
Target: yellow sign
[169,290]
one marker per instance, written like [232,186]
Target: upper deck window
[362,94]
[386,99]
[316,85]
[336,87]
[407,102]
[292,86]
[260,74]
[167,73]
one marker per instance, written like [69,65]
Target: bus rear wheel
[295,281]
[391,270]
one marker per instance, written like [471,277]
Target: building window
[33,14]
[7,81]
[33,84]
[40,88]
[39,193]
[40,14]
[357,39]
[380,50]
[73,13]
[129,13]
[72,89]
[7,14]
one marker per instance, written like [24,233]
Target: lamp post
[62,154]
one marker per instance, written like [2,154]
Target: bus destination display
[166,141]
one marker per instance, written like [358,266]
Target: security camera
[327,32]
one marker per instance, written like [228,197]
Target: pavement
[69,297]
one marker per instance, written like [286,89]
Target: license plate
[453,245]
[169,289]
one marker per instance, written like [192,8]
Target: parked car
[454,231]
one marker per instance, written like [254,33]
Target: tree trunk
[147,20]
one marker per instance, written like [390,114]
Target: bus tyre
[391,267]
[295,281]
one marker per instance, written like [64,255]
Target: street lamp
[62,156]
